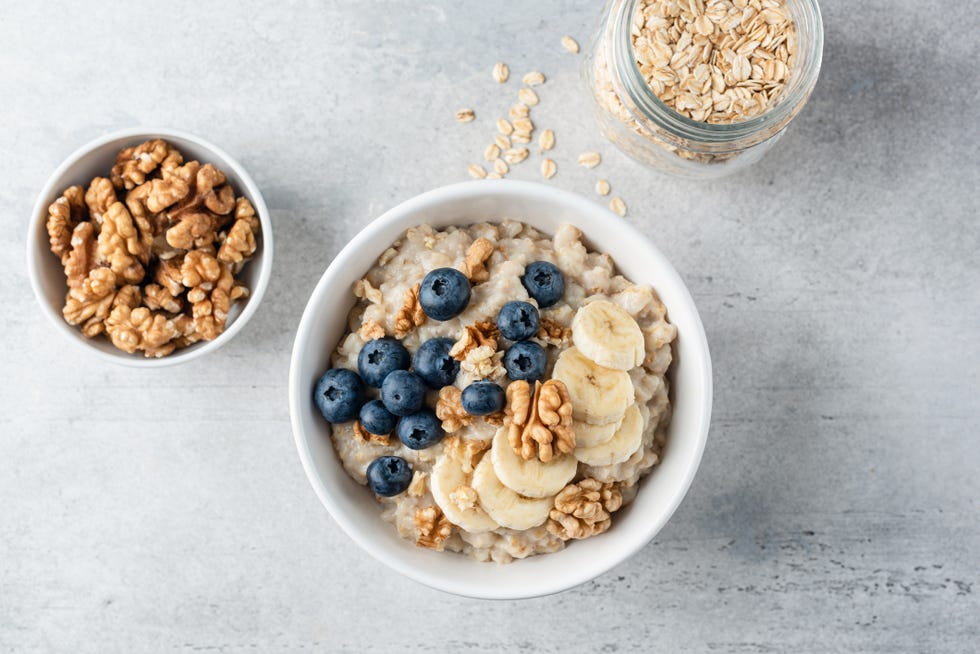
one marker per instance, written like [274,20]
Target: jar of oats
[702,88]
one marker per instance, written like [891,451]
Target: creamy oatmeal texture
[567,490]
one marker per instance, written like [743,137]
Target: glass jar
[631,115]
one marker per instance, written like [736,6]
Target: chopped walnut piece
[81,259]
[141,329]
[411,314]
[157,297]
[362,434]
[553,333]
[371,330]
[420,483]
[210,312]
[120,246]
[539,423]
[449,409]
[193,230]
[64,214]
[170,276]
[134,164]
[208,192]
[466,451]
[432,527]
[239,244]
[199,272]
[163,193]
[473,265]
[128,295]
[465,497]
[480,334]
[583,509]
[99,197]
[89,302]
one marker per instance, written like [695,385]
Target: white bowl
[96,159]
[354,507]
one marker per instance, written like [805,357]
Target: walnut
[410,315]
[473,265]
[81,259]
[553,333]
[99,197]
[239,244]
[196,229]
[89,302]
[64,214]
[208,192]
[482,363]
[120,246]
[480,334]
[466,451]
[128,295]
[134,164]
[371,330]
[170,276]
[539,423]
[198,272]
[157,297]
[420,483]
[141,329]
[163,193]
[450,410]
[432,527]
[583,509]
[210,309]
[362,434]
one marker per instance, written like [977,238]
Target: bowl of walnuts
[150,247]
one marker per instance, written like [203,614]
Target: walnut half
[473,265]
[432,527]
[583,509]
[539,423]
[411,314]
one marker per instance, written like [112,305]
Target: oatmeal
[502,392]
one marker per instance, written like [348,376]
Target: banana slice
[530,478]
[605,333]
[505,506]
[589,435]
[599,395]
[452,491]
[627,440]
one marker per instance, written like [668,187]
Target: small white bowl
[96,159]
[353,506]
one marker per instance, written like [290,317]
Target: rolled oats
[500,72]
[618,206]
[528,97]
[492,153]
[547,140]
[465,115]
[548,168]
[602,187]
[589,159]
[504,126]
[570,44]
[476,171]
[533,79]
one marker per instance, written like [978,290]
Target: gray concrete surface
[839,282]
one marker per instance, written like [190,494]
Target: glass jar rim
[657,115]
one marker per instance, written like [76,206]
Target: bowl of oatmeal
[150,247]
[500,390]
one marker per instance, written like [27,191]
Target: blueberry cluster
[385,364]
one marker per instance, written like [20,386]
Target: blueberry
[389,475]
[420,430]
[433,363]
[525,360]
[483,398]
[380,357]
[444,293]
[518,321]
[403,392]
[339,394]
[377,419]
[544,282]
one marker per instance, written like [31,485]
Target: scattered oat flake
[519,111]
[502,141]
[533,79]
[501,72]
[528,96]
[589,159]
[504,127]
[523,125]
[494,176]
[548,168]
[546,140]
[522,138]
[492,153]
[500,167]
[476,171]
[569,44]
[516,155]
[465,115]
[618,206]
[602,187]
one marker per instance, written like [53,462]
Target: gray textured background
[836,508]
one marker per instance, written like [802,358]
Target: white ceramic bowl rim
[350,256]
[36,232]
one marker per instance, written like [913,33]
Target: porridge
[500,391]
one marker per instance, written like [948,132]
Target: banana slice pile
[608,343]
[503,489]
